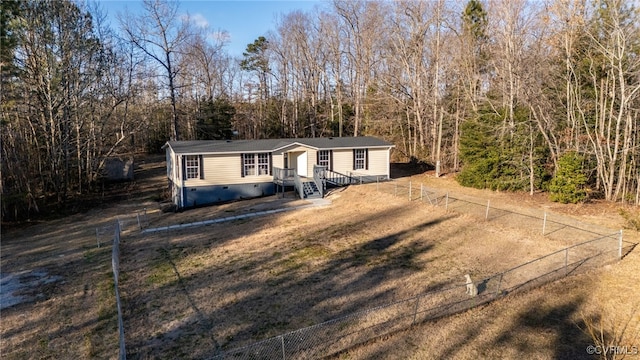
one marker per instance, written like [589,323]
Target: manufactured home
[212,171]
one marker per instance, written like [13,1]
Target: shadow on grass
[564,336]
[297,294]
[568,340]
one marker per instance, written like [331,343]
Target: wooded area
[513,94]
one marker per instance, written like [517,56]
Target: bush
[632,221]
[569,183]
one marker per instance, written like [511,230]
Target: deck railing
[338,178]
[283,175]
[319,174]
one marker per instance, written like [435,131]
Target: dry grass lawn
[191,293]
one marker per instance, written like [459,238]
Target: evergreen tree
[569,183]
[479,152]
[214,119]
[497,162]
[9,25]
[474,26]
[255,59]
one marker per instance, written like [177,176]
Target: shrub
[632,221]
[569,183]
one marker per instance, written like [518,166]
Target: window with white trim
[192,166]
[360,159]
[263,164]
[256,164]
[324,158]
[249,161]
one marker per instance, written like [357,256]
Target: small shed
[118,169]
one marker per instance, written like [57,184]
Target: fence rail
[337,335]
[548,223]
[115,265]
[340,334]
[133,221]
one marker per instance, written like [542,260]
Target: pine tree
[569,183]
[214,120]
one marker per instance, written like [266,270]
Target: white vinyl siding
[342,160]
[311,161]
[278,160]
[378,162]
[225,169]
[169,155]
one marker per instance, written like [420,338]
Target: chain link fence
[545,222]
[129,222]
[115,265]
[337,335]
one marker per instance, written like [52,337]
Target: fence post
[566,260]
[115,264]
[446,203]
[620,245]
[486,215]
[282,341]
[544,223]
[409,190]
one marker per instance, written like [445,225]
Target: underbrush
[632,221]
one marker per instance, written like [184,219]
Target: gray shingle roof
[267,145]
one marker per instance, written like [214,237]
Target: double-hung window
[263,164]
[256,164]
[359,159]
[324,158]
[192,167]
[249,164]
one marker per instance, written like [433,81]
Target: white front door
[301,167]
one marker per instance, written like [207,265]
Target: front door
[301,167]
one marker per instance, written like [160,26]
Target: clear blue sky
[243,20]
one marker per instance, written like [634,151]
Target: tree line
[511,94]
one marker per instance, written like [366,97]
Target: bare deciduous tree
[160,32]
